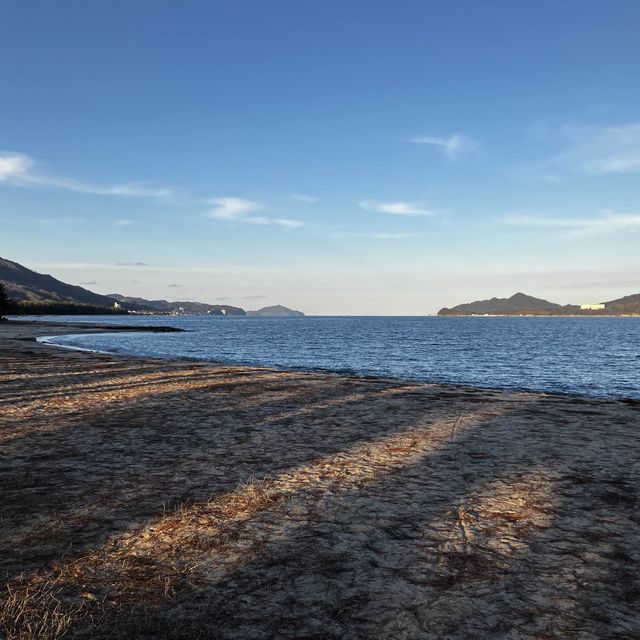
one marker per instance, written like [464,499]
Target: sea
[592,356]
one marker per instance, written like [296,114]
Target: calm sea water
[590,356]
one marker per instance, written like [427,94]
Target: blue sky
[338,157]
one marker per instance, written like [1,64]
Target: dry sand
[155,499]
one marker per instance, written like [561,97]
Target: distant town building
[117,305]
[591,307]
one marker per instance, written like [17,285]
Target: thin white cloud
[17,169]
[453,146]
[147,268]
[588,150]
[396,208]
[301,197]
[395,236]
[285,223]
[601,150]
[232,208]
[607,222]
[238,210]
[379,236]
[14,166]
[132,190]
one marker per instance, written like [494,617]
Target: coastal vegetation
[5,302]
[26,285]
[51,307]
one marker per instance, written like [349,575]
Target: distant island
[277,311]
[35,293]
[521,304]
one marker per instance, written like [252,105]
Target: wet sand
[157,499]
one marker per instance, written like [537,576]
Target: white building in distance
[591,307]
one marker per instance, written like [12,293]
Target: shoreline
[87,327]
[95,328]
[179,499]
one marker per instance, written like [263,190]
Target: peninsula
[521,304]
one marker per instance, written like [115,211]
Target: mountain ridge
[523,304]
[25,285]
[42,293]
[516,302]
[142,305]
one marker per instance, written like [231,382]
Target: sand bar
[158,499]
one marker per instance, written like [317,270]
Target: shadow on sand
[183,501]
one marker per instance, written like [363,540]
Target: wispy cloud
[259,297]
[301,197]
[285,223]
[89,282]
[453,146]
[131,190]
[395,236]
[602,150]
[396,208]
[239,210]
[378,236]
[147,268]
[588,150]
[232,208]
[174,286]
[607,222]
[13,166]
[18,169]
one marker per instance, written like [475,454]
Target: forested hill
[25,285]
[522,304]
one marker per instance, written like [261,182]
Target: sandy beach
[159,499]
